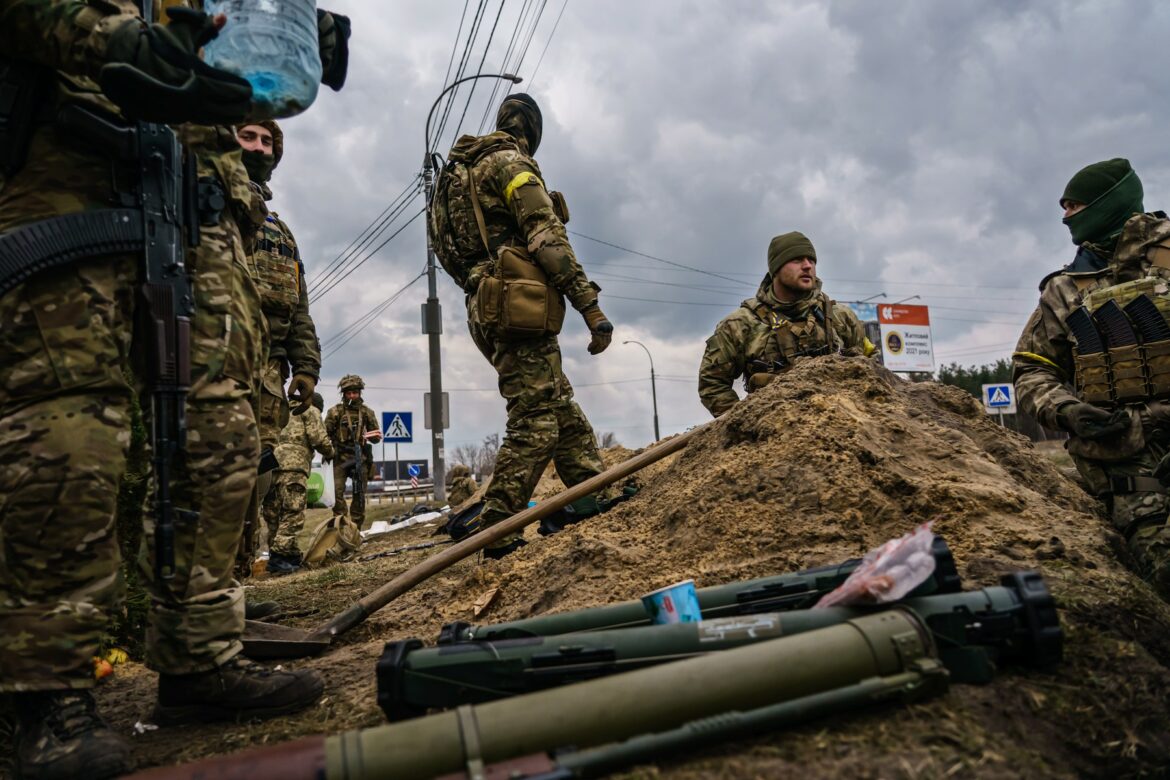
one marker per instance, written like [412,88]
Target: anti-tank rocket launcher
[889,656]
[779,593]
[975,631]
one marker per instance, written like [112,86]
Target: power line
[472,34]
[532,78]
[370,317]
[372,252]
[482,60]
[657,259]
[320,275]
[328,276]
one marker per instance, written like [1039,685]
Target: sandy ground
[822,465]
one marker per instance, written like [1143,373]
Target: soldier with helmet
[348,424]
[284,512]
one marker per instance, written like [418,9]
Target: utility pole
[432,312]
[653,388]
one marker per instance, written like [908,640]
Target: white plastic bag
[887,573]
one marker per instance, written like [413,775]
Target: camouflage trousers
[343,470]
[544,423]
[284,512]
[272,415]
[67,355]
[1140,516]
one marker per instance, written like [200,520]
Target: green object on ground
[314,488]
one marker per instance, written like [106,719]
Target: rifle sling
[60,241]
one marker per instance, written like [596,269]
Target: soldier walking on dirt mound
[1078,366]
[74,197]
[346,423]
[284,514]
[785,320]
[292,345]
[501,235]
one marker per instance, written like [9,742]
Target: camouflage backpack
[451,217]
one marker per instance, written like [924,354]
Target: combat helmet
[351,382]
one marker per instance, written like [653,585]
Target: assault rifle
[359,459]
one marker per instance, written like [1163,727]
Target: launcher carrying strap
[57,242]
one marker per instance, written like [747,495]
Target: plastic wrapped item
[887,573]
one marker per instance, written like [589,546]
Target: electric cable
[353,267]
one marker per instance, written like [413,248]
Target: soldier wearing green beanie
[1117,434]
[785,321]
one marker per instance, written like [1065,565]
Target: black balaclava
[520,117]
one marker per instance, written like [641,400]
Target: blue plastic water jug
[272,44]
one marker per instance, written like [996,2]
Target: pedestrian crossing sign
[396,427]
[999,398]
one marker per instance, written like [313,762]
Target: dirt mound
[829,461]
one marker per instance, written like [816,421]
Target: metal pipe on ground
[267,640]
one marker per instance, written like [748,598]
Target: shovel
[268,640]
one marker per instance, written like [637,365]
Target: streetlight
[653,389]
[432,311]
[870,298]
[911,298]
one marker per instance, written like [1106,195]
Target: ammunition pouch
[517,300]
[24,92]
[560,207]
[1136,372]
[52,243]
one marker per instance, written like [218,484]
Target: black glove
[333,43]
[154,73]
[1091,422]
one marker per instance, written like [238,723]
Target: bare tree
[480,458]
[607,439]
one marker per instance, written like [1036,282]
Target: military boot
[260,610]
[60,735]
[496,553]
[238,690]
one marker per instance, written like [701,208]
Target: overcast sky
[922,146]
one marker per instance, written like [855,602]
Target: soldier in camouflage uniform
[348,422]
[462,486]
[292,345]
[67,359]
[784,321]
[285,513]
[1121,452]
[544,422]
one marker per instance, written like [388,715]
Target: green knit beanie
[1111,192]
[1093,181]
[788,246]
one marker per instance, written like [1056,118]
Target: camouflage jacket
[517,210]
[759,331]
[343,424]
[70,37]
[280,276]
[1042,366]
[303,434]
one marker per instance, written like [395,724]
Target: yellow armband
[528,177]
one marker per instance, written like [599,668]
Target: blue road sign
[998,396]
[413,470]
[397,428]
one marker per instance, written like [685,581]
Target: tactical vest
[277,265]
[798,338]
[1122,334]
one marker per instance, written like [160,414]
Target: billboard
[905,337]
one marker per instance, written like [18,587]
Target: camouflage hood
[520,117]
[472,147]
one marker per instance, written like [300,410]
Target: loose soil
[827,462]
